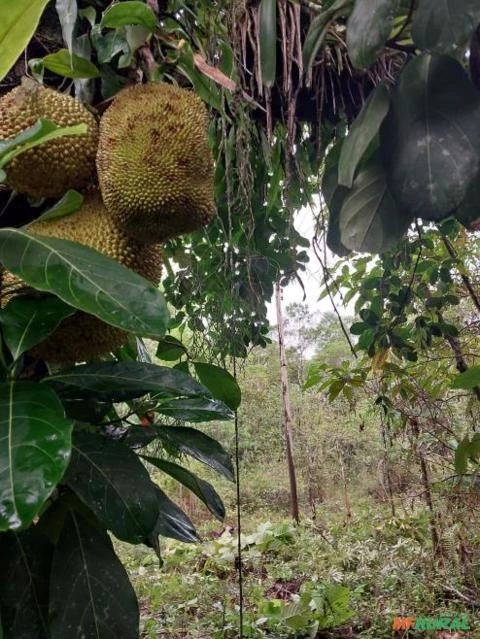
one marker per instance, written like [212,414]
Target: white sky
[312,278]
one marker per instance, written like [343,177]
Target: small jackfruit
[81,337]
[50,169]
[154,162]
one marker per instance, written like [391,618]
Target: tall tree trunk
[386,469]
[286,408]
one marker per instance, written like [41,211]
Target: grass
[341,579]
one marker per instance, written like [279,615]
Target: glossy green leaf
[318,30]
[444,27]
[27,321]
[368,28]
[220,383]
[70,66]
[111,480]
[201,488]
[90,593]
[199,446]
[129,12]
[267,35]
[362,133]
[120,381]
[41,132]
[204,87]
[70,202]
[469,379]
[108,45]
[172,521]
[194,409]
[86,280]
[35,442]
[370,220]
[25,560]
[431,137]
[170,349]
[18,21]
[67,12]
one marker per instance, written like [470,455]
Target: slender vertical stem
[287,411]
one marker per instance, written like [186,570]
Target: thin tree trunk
[386,467]
[346,496]
[286,409]
[427,494]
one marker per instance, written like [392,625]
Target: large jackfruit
[154,162]
[50,169]
[81,337]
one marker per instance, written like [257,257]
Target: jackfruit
[82,337]
[154,162]
[51,169]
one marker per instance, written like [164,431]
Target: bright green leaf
[220,383]
[70,66]
[35,446]
[469,379]
[18,21]
[86,280]
[129,12]
[70,202]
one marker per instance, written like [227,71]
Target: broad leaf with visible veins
[35,443]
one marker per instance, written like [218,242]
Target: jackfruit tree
[166,141]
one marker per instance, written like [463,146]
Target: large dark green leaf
[362,133]
[25,560]
[129,12]
[198,445]
[431,137]
[201,488]
[368,28]
[18,21]
[172,521]
[443,27]
[334,195]
[119,381]
[110,479]
[86,280]
[35,442]
[468,213]
[370,220]
[194,409]
[267,17]
[318,30]
[70,66]
[220,383]
[90,593]
[26,321]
